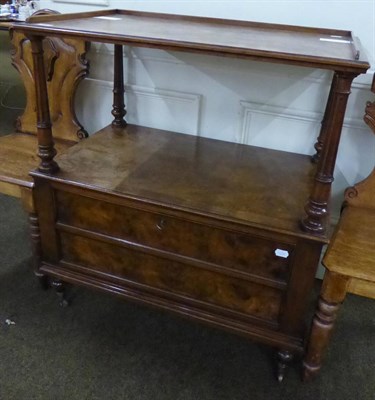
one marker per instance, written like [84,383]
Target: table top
[322,48]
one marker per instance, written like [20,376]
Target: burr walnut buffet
[223,233]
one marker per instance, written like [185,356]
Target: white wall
[236,100]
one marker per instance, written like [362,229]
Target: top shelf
[320,48]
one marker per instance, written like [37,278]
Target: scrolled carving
[351,193]
[82,134]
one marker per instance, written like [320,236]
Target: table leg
[29,206]
[332,294]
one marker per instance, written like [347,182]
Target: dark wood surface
[349,261]
[247,256]
[183,280]
[192,173]
[200,266]
[330,49]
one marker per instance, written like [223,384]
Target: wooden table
[223,233]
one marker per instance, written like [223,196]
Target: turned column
[118,110]
[332,295]
[324,125]
[46,149]
[317,205]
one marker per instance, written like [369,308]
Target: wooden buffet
[224,233]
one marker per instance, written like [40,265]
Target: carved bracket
[65,65]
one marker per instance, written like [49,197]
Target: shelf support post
[46,149]
[317,204]
[324,126]
[118,110]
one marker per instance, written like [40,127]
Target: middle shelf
[250,185]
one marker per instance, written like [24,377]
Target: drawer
[254,255]
[127,266]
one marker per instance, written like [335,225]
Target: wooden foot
[43,280]
[60,291]
[332,294]
[284,357]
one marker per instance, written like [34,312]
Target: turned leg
[36,249]
[29,206]
[284,357]
[60,290]
[332,295]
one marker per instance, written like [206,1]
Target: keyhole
[160,225]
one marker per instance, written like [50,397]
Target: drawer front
[186,281]
[254,255]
